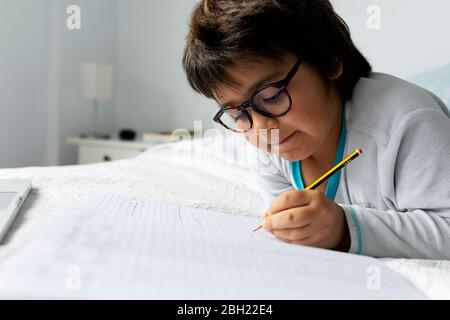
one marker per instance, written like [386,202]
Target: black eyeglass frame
[250,103]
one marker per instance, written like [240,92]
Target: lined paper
[117,246]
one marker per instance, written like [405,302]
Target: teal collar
[333,183]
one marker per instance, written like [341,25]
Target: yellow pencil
[330,172]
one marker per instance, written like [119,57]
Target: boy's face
[313,118]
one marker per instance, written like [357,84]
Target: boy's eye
[239,117]
[273,98]
[236,115]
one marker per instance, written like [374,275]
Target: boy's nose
[262,122]
[262,132]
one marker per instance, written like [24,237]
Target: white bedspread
[212,179]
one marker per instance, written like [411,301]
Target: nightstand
[92,150]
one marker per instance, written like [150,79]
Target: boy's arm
[417,161]
[413,234]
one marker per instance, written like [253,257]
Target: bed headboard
[436,81]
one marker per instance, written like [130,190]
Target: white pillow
[437,81]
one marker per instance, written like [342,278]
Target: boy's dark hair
[223,31]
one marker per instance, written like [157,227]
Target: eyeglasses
[271,100]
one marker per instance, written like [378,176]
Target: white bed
[205,174]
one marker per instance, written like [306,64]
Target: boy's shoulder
[381,101]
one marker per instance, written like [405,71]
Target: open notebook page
[116,246]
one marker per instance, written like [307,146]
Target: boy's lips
[287,139]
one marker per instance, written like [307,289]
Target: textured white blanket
[207,173]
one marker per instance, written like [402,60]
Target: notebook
[122,247]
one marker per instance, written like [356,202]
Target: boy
[290,68]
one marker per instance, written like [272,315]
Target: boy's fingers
[288,219]
[296,234]
[310,242]
[290,199]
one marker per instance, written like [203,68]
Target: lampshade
[96,81]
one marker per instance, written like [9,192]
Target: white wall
[152,92]
[413,37]
[23,69]
[95,41]
[40,102]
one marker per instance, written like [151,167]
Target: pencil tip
[257,228]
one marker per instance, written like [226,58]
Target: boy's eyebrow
[253,88]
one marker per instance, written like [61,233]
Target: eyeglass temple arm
[293,71]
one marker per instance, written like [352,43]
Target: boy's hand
[309,218]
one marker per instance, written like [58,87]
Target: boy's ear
[338,70]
